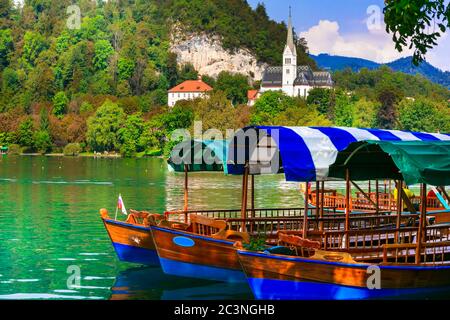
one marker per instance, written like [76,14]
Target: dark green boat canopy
[198,155]
[413,161]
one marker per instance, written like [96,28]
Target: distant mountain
[333,63]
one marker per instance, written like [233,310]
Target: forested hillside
[103,86]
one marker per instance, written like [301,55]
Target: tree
[131,135]
[388,96]
[412,21]
[44,121]
[423,115]
[364,113]
[34,44]
[6,47]
[343,110]
[321,98]
[187,72]
[103,127]
[269,106]
[125,68]
[235,86]
[25,133]
[60,102]
[42,141]
[103,51]
[216,112]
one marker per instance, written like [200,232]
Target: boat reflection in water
[150,283]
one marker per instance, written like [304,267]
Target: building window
[304,93]
[287,61]
[288,71]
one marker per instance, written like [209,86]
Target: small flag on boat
[121,205]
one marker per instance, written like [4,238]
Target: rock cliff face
[208,56]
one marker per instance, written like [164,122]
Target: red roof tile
[251,94]
[191,86]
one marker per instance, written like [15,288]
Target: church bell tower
[289,61]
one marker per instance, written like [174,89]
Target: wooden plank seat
[206,226]
[302,247]
[144,218]
[217,229]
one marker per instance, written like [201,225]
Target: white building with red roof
[188,90]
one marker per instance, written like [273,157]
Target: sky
[353,28]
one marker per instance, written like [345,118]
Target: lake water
[49,224]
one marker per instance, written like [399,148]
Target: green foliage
[388,96]
[256,243]
[14,149]
[103,51]
[44,121]
[60,102]
[324,100]
[343,112]
[270,105]
[6,138]
[72,149]
[25,135]
[86,107]
[126,68]
[409,23]
[34,44]
[132,135]
[6,46]
[424,115]
[42,141]
[104,126]
[235,86]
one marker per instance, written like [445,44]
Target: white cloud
[375,44]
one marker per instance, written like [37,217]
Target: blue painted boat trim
[192,235]
[340,264]
[128,225]
[133,254]
[191,270]
[272,289]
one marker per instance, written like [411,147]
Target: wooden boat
[365,201]
[300,268]
[203,249]
[132,239]
[190,258]
[335,275]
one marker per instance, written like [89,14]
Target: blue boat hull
[191,270]
[138,255]
[271,289]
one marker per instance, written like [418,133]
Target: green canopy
[413,161]
[199,155]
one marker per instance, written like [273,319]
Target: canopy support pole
[347,206]
[186,193]
[305,213]
[253,194]
[317,199]
[244,197]
[399,209]
[377,197]
[322,202]
[422,221]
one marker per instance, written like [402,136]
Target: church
[292,79]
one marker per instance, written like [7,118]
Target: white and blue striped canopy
[308,152]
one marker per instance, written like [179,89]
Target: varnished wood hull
[132,243]
[190,255]
[288,278]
